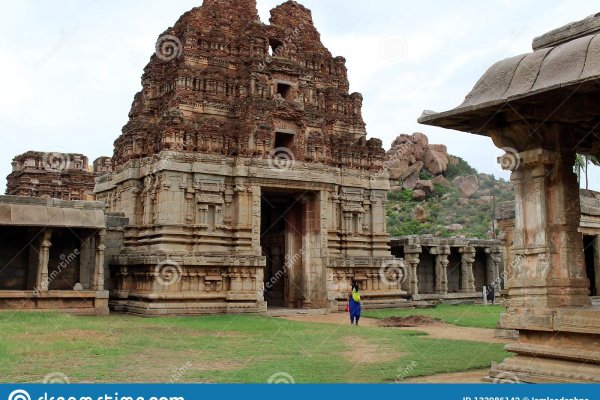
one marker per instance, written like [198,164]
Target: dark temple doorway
[286,227]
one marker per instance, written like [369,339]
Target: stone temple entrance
[289,223]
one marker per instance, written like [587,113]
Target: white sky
[69,68]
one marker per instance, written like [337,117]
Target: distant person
[354,303]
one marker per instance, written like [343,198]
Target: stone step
[286,312]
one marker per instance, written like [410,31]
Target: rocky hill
[439,194]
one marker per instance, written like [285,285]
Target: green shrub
[461,169]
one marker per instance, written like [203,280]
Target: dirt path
[458,377]
[436,331]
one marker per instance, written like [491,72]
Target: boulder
[426,186]
[435,162]
[413,153]
[420,214]
[440,148]
[420,138]
[467,185]
[485,200]
[398,169]
[441,180]
[454,227]
[410,182]
[419,152]
[396,189]
[415,168]
[419,195]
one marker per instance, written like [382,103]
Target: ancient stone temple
[246,174]
[51,175]
[542,108]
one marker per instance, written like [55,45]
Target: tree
[582,163]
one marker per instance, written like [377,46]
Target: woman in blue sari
[354,303]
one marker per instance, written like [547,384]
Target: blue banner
[312,392]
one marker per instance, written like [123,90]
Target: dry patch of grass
[362,351]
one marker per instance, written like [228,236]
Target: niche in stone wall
[284,140]
[284,90]
[356,224]
[353,210]
[315,150]
[209,204]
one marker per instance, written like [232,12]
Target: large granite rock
[467,185]
[412,154]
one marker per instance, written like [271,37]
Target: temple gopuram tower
[246,174]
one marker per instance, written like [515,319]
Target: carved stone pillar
[547,285]
[468,279]
[494,260]
[441,268]
[44,258]
[98,280]
[547,268]
[412,250]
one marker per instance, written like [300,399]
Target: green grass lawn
[224,348]
[472,315]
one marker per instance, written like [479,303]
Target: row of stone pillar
[412,252]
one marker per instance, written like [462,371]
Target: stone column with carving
[412,250]
[467,260]
[547,286]
[547,267]
[494,260]
[98,280]
[44,258]
[441,268]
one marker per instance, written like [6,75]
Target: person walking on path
[354,303]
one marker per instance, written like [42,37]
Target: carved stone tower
[246,173]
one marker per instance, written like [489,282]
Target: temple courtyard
[306,348]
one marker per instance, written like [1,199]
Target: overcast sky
[69,68]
